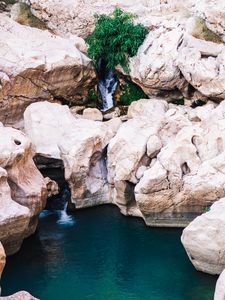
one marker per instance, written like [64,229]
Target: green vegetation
[115,39]
[179,101]
[92,95]
[131,92]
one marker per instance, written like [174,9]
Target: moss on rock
[201,31]
[22,14]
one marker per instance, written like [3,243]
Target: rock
[14,218]
[2,261]
[153,108]
[21,13]
[80,143]
[77,17]
[220,287]
[93,114]
[115,113]
[167,161]
[213,12]
[202,64]
[203,240]
[52,187]
[19,296]
[154,68]
[23,190]
[35,66]
[2,6]
[75,110]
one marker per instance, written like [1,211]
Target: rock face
[166,163]
[77,17]
[213,12]
[204,240]
[154,68]
[36,65]
[220,287]
[23,190]
[170,63]
[2,261]
[80,143]
[19,296]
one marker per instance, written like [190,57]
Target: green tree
[115,39]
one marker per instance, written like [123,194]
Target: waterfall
[64,218]
[107,85]
[57,207]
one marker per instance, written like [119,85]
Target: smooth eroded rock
[204,240]
[79,143]
[37,65]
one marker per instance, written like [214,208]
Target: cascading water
[107,85]
[57,205]
[64,218]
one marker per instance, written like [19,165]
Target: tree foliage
[115,39]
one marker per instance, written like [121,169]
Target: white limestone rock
[204,239]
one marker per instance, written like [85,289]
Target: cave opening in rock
[54,169]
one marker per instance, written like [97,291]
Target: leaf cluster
[131,92]
[115,39]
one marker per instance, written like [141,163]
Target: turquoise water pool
[105,256]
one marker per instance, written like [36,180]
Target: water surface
[105,256]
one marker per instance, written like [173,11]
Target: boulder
[93,114]
[2,261]
[220,287]
[167,161]
[202,63]
[37,65]
[213,12]
[23,190]
[204,240]
[154,68]
[20,296]
[79,143]
[14,218]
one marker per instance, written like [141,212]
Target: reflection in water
[105,256]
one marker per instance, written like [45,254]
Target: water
[107,85]
[105,256]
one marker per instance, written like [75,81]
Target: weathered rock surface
[167,161]
[93,114]
[154,68]
[80,143]
[77,17]
[204,240]
[220,287]
[213,12]
[23,190]
[164,66]
[2,261]
[203,65]
[19,296]
[36,65]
